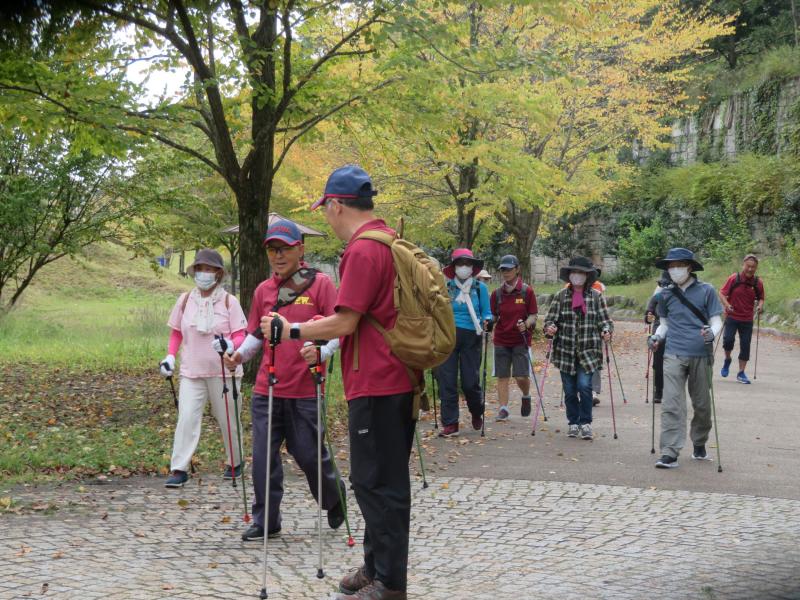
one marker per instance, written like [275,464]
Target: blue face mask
[205,281]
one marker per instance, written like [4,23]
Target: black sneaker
[176,479]
[666,462]
[525,407]
[256,532]
[228,475]
[700,453]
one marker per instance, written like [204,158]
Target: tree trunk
[796,21]
[465,205]
[523,224]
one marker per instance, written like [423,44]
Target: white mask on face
[464,272]
[679,274]
[205,281]
[577,279]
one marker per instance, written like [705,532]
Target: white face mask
[679,274]
[464,272]
[577,279]
[205,281]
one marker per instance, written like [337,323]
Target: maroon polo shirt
[512,308]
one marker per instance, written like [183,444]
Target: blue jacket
[479,294]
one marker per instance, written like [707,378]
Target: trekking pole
[246,517]
[611,393]
[533,372]
[619,379]
[714,410]
[541,390]
[421,460]
[647,377]
[227,413]
[653,423]
[275,333]
[483,387]
[350,541]
[433,393]
[758,330]
[319,379]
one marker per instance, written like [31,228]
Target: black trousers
[381,434]
[745,331]
[466,362]
[293,420]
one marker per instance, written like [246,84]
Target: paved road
[507,517]
[759,440]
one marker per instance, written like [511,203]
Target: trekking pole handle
[275,330]
[222,343]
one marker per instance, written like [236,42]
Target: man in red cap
[296,292]
[377,386]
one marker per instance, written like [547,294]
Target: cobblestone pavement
[471,538]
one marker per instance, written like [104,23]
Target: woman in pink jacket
[197,317]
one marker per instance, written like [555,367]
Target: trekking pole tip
[351,542]
[652,450]
[263,594]
[320,574]
[719,469]
[424,485]
[533,432]
[616,437]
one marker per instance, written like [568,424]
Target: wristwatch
[294,331]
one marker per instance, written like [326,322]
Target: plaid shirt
[578,336]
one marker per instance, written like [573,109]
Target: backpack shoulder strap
[227,301]
[378,236]
[183,304]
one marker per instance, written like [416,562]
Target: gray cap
[207,257]
[509,261]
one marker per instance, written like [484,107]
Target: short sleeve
[236,318]
[360,282]
[327,296]
[174,321]
[663,311]
[726,288]
[254,320]
[713,305]
[533,307]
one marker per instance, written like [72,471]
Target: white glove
[167,365]
[708,334]
[217,346]
[326,351]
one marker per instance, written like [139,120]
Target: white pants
[191,401]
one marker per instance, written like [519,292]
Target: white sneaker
[572,431]
[586,432]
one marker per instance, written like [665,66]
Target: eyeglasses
[278,250]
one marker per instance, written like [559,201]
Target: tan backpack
[424,333]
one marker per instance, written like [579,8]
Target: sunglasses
[278,250]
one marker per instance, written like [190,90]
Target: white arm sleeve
[328,349]
[249,348]
[716,325]
[663,326]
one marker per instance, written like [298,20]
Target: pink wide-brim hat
[450,270]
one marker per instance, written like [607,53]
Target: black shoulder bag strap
[678,293]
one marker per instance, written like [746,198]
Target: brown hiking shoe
[374,591]
[355,580]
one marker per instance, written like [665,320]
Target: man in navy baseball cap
[350,185]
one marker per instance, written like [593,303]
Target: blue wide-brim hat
[675,254]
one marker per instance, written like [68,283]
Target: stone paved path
[472,538]
[544,527]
